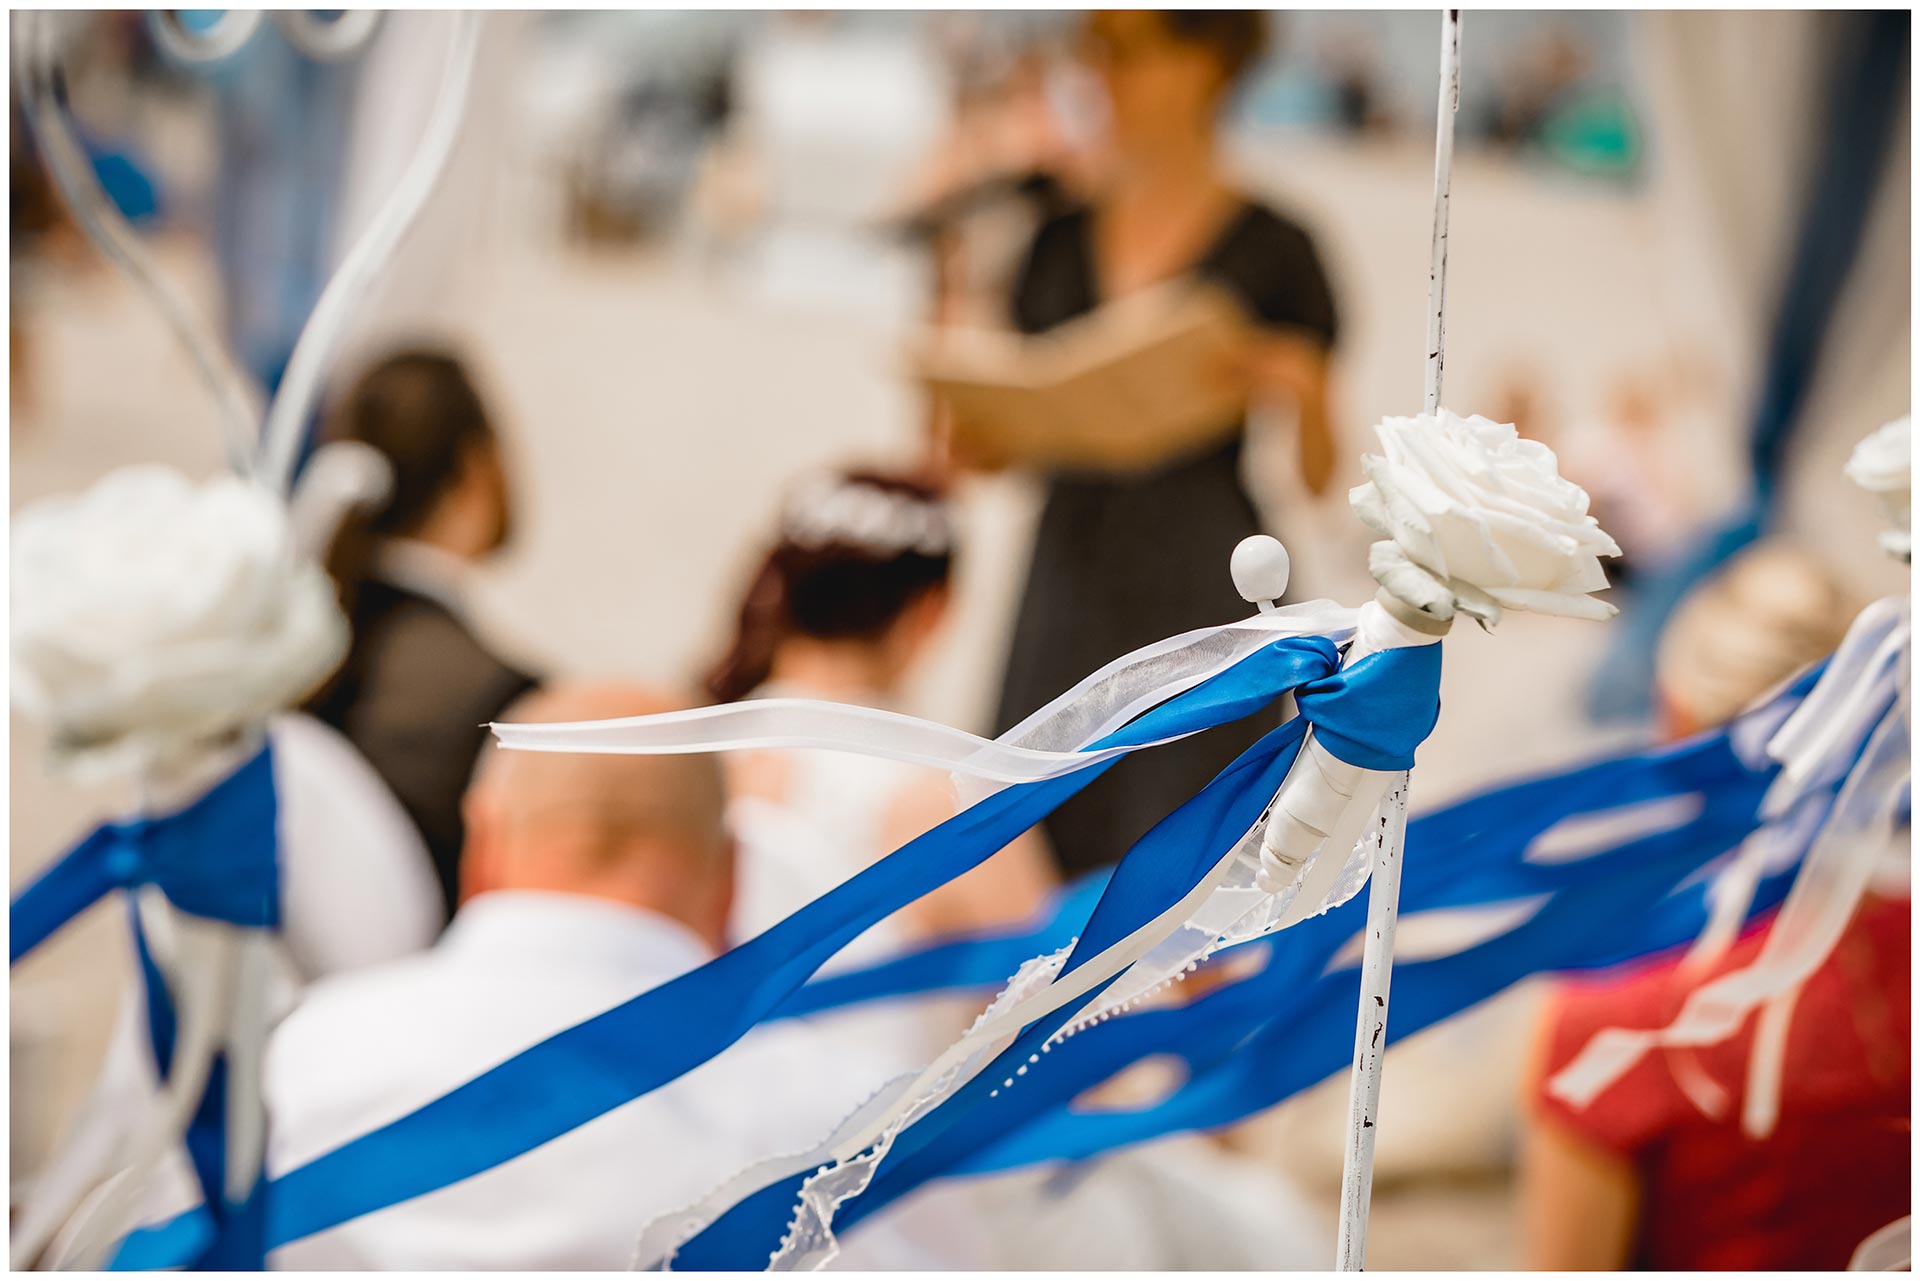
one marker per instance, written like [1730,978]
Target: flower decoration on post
[157,624]
[1479,521]
[154,619]
[1882,464]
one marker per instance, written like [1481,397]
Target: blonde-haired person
[1657,1172]
[1772,611]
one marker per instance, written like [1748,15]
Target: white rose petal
[1884,460]
[1882,464]
[1476,514]
[153,616]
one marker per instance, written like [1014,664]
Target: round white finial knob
[1261,568]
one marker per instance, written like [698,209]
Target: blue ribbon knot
[217,858]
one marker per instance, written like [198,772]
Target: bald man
[591,879]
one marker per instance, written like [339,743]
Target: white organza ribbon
[1227,906]
[1050,743]
[1856,716]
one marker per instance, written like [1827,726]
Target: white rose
[1480,520]
[153,617]
[1882,464]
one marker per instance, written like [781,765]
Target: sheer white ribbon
[1854,723]
[1050,743]
[1226,908]
[1229,905]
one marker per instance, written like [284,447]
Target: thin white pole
[1383,893]
[1442,204]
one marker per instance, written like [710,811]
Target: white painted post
[1383,893]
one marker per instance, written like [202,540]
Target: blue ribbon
[219,859]
[1373,714]
[1253,1043]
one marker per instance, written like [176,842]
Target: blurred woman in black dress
[1128,555]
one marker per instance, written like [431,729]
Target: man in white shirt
[593,879]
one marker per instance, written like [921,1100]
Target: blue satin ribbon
[1373,714]
[1251,1044]
[1254,1042]
[218,858]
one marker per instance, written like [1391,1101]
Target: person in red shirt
[1645,1177]
[1657,1172]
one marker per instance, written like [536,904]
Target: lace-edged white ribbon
[1227,907]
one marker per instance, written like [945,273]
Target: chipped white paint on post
[1370,1036]
[1383,893]
[1442,198]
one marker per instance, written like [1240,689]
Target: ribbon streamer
[219,989]
[1048,744]
[216,859]
[1375,712]
[1851,732]
[1253,1042]
[622,1054]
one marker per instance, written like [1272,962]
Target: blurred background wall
[674,246]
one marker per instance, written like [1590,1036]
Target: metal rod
[1383,890]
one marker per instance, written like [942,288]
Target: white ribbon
[1050,743]
[1859,706]
[1229,905]
[1890,1249]
[217,974]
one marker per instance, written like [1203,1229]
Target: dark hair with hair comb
[836,588]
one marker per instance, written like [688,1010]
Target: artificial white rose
[153,617]
[1480,520]
[1882,464]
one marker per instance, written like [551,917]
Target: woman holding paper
[1141,517]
